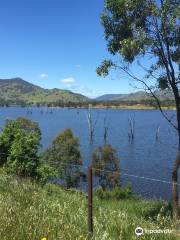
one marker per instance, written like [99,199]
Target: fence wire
[74,179]
[141,185]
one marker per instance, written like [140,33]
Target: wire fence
[81,170]
[86,180]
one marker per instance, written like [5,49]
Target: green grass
[29,212]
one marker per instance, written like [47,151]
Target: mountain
[17,90]
[137,96]
[110,97]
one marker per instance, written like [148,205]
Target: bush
[64,155]
[19,145]
[46,172]
[159,212]
[117,193]
[105,163]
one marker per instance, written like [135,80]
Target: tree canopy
[19,145]
[139,30]
[64,155]
[105,163]
[144,28]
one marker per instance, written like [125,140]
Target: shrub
[19,144]
[64,155]
[159,212]
[105,163]
[117,193]
[6,139]
[46,172]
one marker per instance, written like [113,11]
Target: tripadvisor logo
[139,231]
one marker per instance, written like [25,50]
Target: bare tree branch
[153,95]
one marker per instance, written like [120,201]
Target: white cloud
[68,80]
[87,90]
[81,89]
[77,65]
[43,75]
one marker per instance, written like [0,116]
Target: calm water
[144,157]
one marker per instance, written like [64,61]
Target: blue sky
[56,43]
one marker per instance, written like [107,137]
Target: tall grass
[31,212]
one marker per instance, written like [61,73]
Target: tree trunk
[175,198]
[175,194]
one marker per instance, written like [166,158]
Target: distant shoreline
[136,107]
[120,107]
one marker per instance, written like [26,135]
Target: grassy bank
[133,107]
[30,212]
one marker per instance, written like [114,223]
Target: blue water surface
[146,156]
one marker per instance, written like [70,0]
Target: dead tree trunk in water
[157,132]
[105,129]
[131,122]
[91,124]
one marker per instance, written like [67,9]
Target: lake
[146,156]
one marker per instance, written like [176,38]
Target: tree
[23,158]
[19,145]
[105,163]
[28,125]
[147,29]
[6,139]
[92,124]
[64,155]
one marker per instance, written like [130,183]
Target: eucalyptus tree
[105,163]
[65,158]
[147,30]
[19,146]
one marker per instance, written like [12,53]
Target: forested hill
[137,96]
[18,91]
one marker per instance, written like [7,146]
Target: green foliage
[104,68]
[6,139]
[147,28]
[19,144]
[64,155]
[127,25]
[46,172]
[18,91]
[116,193]
[105,162]
[163,82]
[23,159]
[137,28]
[29,211]
[160,213]
[29,126]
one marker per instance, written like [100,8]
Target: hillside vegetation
[18,91]
[30,212]
[136,96]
